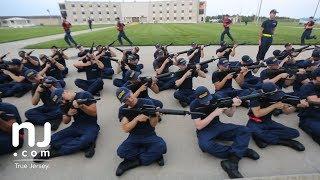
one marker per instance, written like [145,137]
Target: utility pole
[315,12]
[259,9]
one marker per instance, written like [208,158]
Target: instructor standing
[308,30]
[226,24]
[266,34]
[67,37]
[122,34]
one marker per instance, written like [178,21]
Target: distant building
[167,11]
[21,21]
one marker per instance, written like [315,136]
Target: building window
[114,5]
[167,11]
[190,11]
[190,3]
[107,5]
[90,5]
[175,11]
[108,19]
[175,18]
[153,5]
[154,18]
[168,18]
[74,13]
[83,12]
[99,12]
[182,18]
[75,20]
[182,11]
[182,4]
[160,18]
[154,12]
[168,4]
[160,5]
[190,18]
[84,19]
[160,11]
[91,12]
[100,19]
[81,5]
[107,12]
[98,5]
[72,5]
[115,12]
[175,4]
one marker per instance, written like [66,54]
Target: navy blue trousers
[311,125]
[74,138]
[42,114]
[12,88]
[185,95]
[107,73]
[230,92]
[93,85]
[147,149]
[239,135]
[264,47]
[166,83]
[271,132]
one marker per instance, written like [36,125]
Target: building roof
[15,19]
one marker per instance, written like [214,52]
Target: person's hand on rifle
[6,72]
[236,102]
[188,73]
[278,105]
[284,75]
[154,82]
[39,89]
[143,87]
[142,118]
[303,103]
[75,104]
[201,47]
[72,112]
[244,71]
[229,76]
[48,65]
[235,46]
[218,111]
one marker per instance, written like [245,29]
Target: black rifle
[91,49]
[0,96]
[146,80]
[3,56]
[58,52]
[112,43]
[150,110]
[4,116]
[299,50]
[295,100]
[227,102]
[29,53]
[4,66]
[276,72]
[121,50]
[159,46]
[236,70]
[69,105]
[189,66]
[231,46]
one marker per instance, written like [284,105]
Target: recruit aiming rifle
[150,110]
[189,66]
[59,51]
[69,105]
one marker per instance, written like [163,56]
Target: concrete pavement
[184,159]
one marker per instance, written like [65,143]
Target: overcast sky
[289,8]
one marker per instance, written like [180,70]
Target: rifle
[29,53]
[295,100]
[300,49]
[111,44]
[91,49]
[6,117]
[231,46]
[0,96]
[3,56]
[227,102]
[69,105]
[58,52]
[276,72]
[121,50]
[236,70]
[3,66]
[150,110]
[189,66]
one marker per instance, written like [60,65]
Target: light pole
[49,16]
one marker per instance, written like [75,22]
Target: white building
[169,11]
[16,22]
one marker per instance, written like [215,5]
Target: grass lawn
[14,34]
[184,34]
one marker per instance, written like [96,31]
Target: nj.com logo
[31,139]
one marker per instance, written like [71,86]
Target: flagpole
[315,12]
[49,16]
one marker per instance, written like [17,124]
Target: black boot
[183,104]
[230,166]
[53,153]
[296,145]
[160,161]
[260,143]
[55,123]
[125,165]
[90,151]
[252,154]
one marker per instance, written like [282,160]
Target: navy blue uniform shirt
[269,26]
[142,128]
